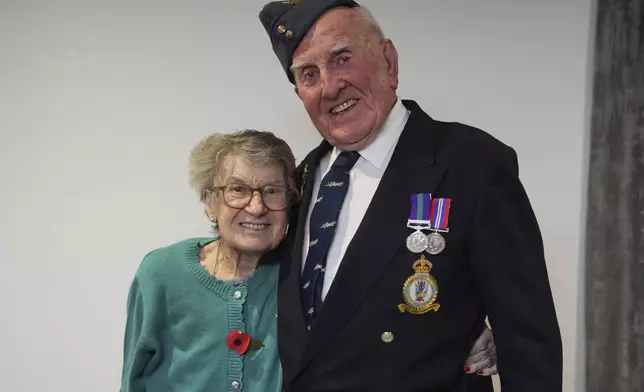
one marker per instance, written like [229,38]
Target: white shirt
[365,177]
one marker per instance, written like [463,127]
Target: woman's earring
[213,220]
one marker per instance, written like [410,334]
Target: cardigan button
[235,385]
[237,294]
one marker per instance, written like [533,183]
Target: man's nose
[332,84]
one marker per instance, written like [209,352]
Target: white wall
[100,103]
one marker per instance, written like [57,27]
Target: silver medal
[435,243]
[417,242]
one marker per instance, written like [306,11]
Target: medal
[417,241]
[438,221]
[419,215]
[435,243]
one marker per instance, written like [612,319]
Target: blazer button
[387,337]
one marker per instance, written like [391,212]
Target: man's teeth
[254,226]
[344,106]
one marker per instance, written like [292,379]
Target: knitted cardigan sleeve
[141,348]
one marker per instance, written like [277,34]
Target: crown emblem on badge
[422,265]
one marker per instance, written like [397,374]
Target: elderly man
[395,205]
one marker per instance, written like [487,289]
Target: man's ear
[391,57]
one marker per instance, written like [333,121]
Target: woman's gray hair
[259,148]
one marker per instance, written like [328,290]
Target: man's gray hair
[368,17]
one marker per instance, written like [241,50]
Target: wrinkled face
[253,228]
[346,75]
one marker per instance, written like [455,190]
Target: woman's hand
[482,358]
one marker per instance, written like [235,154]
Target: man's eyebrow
[341,47]
[337,48]
[300,64]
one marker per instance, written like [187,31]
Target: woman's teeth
[254,226]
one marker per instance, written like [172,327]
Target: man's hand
[482,358]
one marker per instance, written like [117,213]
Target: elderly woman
[201,312]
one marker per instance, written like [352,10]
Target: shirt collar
[377,151]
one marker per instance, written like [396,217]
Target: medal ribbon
[420,211]
[440,214]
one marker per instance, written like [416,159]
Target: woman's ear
[210,206]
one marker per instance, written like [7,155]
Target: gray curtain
[615,226]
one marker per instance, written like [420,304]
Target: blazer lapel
[369,252]
[289,300]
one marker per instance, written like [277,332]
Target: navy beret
[287,23]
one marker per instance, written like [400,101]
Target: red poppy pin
[241,342]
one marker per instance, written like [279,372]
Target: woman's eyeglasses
[238,196]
